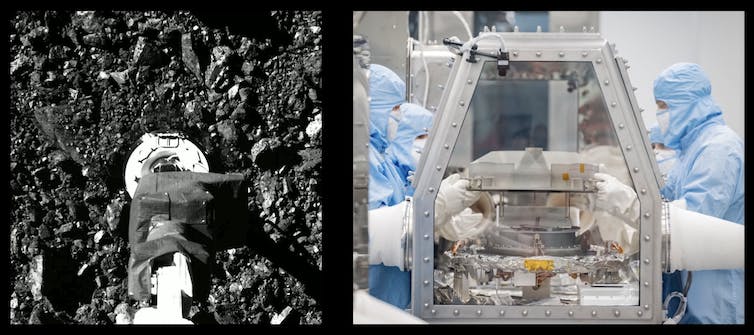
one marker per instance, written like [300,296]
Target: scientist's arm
[714,176]
[453,221]
[386,234]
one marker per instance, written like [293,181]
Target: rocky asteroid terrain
[84,87]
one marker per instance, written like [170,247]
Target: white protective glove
[452,198]
[615,229]
[616,212]
[464,225]
[616,198]
[386,235]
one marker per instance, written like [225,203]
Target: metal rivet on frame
[647,238]
[426,213]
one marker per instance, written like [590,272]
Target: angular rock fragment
[112,214]
[189,56]
[314,127]
[239,113]
[147,54]
[218,76]
[35,276]
[227,130]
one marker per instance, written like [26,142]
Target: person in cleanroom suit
[397,134]
[709,176]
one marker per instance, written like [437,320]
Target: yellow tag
[566,177]
[581,167]
[539,265]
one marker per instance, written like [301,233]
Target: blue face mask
[416,149]
[663,120]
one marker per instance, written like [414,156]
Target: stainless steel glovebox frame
[629,128]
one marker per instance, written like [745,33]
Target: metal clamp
[503,62]
[408,235]
[665,222]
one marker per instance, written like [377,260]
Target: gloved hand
[464,225]
[452,198]
[386,234]
[616,198]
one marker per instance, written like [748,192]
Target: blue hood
[686,90]
[386,90]
[415,121]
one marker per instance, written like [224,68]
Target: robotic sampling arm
[180,215]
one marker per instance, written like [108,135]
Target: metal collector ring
[158,150]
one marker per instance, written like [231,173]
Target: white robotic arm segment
[386,234]
[703,242]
